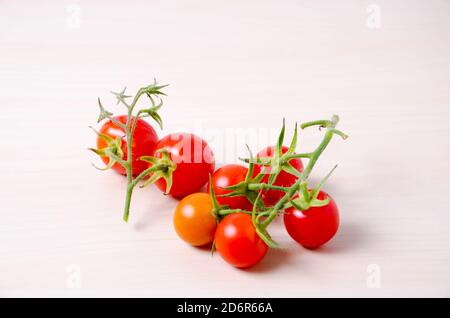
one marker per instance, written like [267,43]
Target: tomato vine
[114,149]
[297,195]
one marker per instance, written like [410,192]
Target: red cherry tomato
[315,226]
[194,160]
[237,242]
[144,141]
[229,175]
[284,179]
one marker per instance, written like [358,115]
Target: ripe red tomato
[144,141]
[284,179]
[315,226]
[237,242]
[193,219]
[194,160]
[229,175]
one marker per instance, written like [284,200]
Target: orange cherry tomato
[193,219]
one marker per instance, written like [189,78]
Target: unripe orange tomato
[193,219]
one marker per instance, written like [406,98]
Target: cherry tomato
[144,141]
[229,175]
[194,160]
[284,179]
[315,226]
[237,242]
[194,221]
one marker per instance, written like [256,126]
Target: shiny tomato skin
[144,141]
[313,227]
[229,175]
[284,179]
[237,242]
[194,159]
[193,219]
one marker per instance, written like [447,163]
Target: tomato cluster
[241,201]
[236,238]
[191,171]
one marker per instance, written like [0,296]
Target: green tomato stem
[265,186]
[330,125]
[322,123]
[117,158]
[146,172]
[129,127]
[115,121]
[297,155]
[225,212]
[127,203]
[129,166]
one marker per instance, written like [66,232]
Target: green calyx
[308,198]
[153,111]
[113,150]
[217,209]
[160,168]
[261,229]
[220,211]
[121,97]
[103,112]
[153,92]
[252,186]
[244,188]
[280,161]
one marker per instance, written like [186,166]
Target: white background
[231,65]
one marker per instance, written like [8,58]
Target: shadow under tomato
[274,259]
[205,249]
[349,236]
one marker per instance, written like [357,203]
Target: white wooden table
[235,68]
